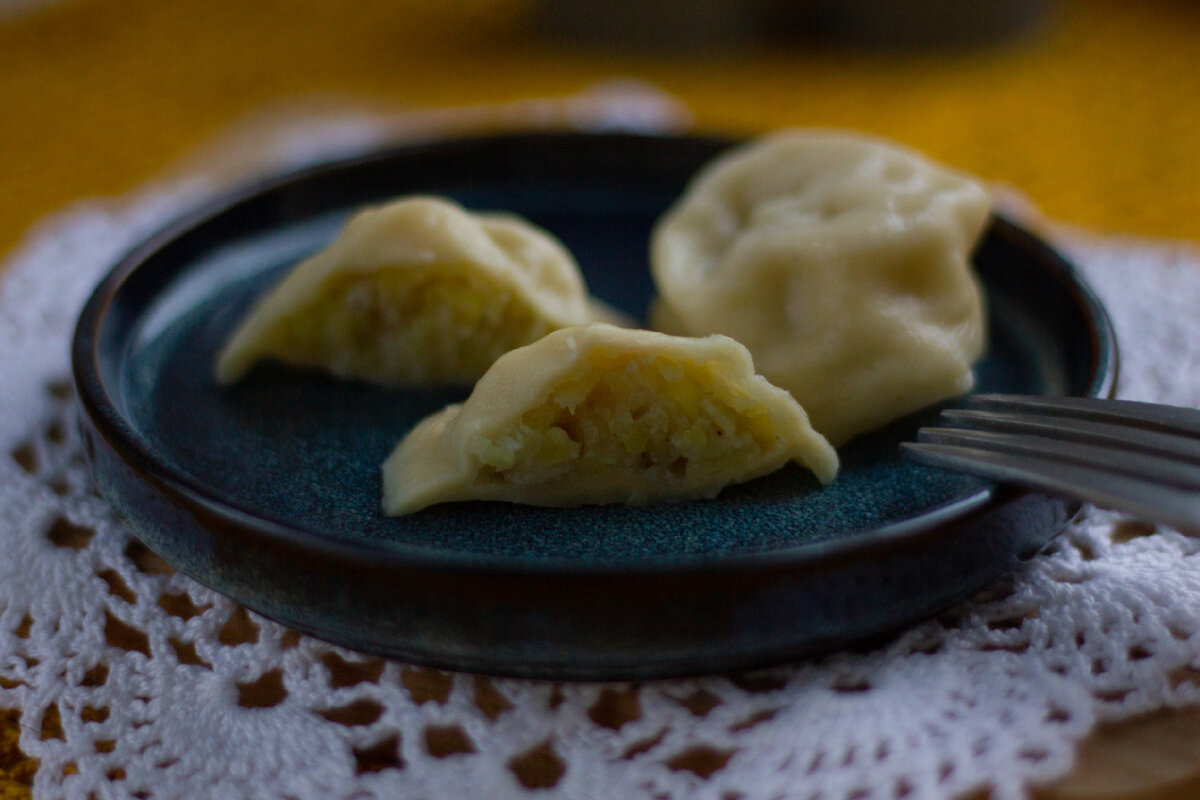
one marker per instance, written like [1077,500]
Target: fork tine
[1083,431]
[1177,507]
[1137,457]
[1118,460]
[1149,416]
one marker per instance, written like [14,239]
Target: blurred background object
[905,24]
[656,26]
[678,26]
[11,8]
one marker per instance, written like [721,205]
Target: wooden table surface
[1094,116]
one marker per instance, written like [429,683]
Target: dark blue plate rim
[135,450]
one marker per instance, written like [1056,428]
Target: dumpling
[600,414]
[415,291]
[842,264]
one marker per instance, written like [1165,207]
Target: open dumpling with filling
[600,414]
[415,291]
[841,262]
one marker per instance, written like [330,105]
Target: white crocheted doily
[134,681]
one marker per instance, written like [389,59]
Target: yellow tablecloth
[1096,117]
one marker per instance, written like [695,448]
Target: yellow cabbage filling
[641,414]
[402,327]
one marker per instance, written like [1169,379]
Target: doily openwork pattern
[134,681]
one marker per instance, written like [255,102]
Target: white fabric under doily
[134,681]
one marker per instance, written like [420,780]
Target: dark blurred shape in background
[689,26]
[905,24]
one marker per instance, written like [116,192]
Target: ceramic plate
[269,490]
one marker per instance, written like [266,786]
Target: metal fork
[1141,458]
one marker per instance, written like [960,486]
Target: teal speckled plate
[269,491]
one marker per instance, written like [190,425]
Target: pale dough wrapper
[600,414]
[841,262]
[415,291]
